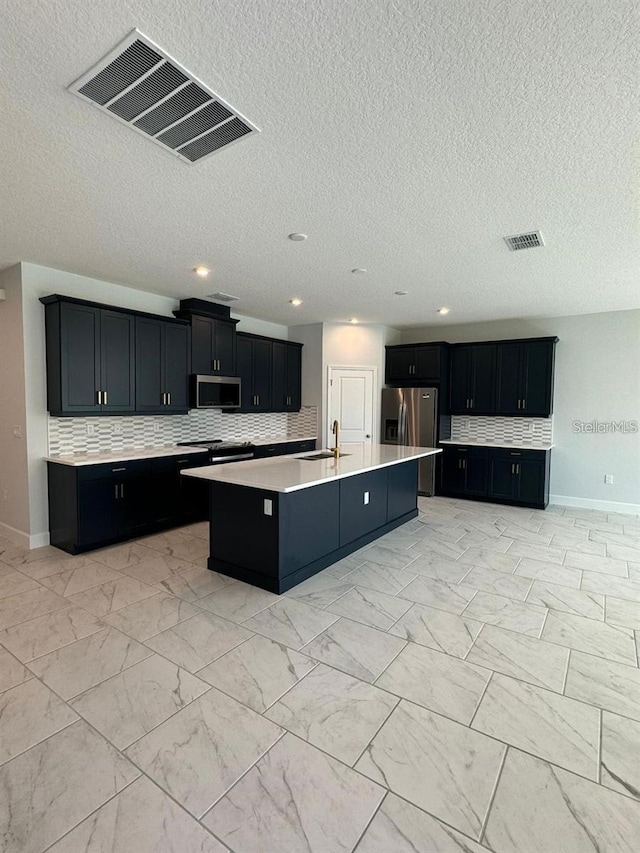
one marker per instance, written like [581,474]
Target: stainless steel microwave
[215,392]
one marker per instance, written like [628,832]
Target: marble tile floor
[467,683]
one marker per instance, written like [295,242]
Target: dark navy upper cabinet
[471,379]
[286,376]
[90,358]
[213,346]
[255,359]
[415,364]
[162,365]
[271,372]
[524,377]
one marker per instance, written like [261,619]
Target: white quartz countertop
[281,439]
[291,473]
[509,445]
[78,459]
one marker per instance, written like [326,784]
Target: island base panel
[273,583]
[276,540]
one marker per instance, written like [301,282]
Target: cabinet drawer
[171,463]
[301,446]
[516,454]
[261,451]
[118,470]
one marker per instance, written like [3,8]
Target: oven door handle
[237,458]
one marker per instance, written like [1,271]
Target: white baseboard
[24,540]
[39,540]
[588,503]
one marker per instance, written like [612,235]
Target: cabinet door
[100,512]
[224,348]
[117,361]
[452,471]
[427,363]
[399,364]
[80,358]
[459,395]
[280,384]
[531,476]
[482,379]
[177,344]
[262,359]
[475,473]
[503,479]
[293,395]
[508,379]
[245,370]
[537,378]
[202,345]
[149,363]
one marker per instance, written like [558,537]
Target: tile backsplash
[525,431]
[110,434]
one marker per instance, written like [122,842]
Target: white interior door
[352,404]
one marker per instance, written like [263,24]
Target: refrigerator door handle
[402,423]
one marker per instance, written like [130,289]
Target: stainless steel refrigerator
[409,417]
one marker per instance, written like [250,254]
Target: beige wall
[14,511]
[597,377]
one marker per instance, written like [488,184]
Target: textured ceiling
[405,137]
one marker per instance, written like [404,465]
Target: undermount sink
[323,454]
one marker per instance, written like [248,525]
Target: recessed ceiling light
[401,292]
[203,272]
[444,310]
[353,320]
[295,301]
[358,270]
[298,237]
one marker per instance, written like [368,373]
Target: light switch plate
[268,506]
[365,498]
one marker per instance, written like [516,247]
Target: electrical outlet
[608,479]
[5,495]
[268,506]
[365,498]
[527,427]
[91,429]
[117,429]
[156,426]
[17,431]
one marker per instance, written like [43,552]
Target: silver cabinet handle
[116,488]
[169,396]
[163,399]
[122,490]
[471,401]
[524,404]
[115,470]
[518,402]
[105,397]
[99,398]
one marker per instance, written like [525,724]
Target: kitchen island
[276,522]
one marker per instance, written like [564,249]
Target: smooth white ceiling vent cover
[524,241]
[142,86]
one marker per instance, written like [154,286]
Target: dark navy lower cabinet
[91,506]
[520,477]
[294,535]
[501,475]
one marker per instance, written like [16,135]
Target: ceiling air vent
[139,84]
[524,241]
[223,297]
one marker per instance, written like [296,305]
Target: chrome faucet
[335,429]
